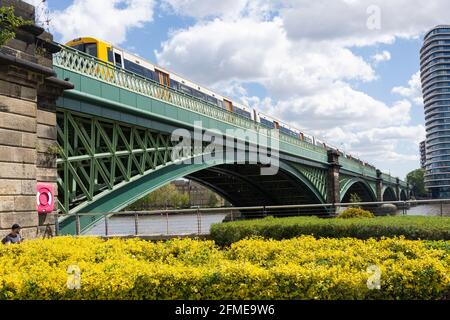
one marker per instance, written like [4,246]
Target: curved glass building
[435,76]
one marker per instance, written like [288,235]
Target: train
[123,59]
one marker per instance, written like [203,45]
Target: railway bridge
[115,133]
[112,134]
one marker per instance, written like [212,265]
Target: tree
[9,23]
[212,200]
[165,197]
[416,181]
[354,198]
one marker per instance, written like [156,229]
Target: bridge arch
[359,187]
[403,195]
[389,194]
[125,194]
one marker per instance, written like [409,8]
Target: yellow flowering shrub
[299,268]
[355,213]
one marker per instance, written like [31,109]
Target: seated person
[14,236]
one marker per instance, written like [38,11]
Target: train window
[174,84]
[149,74]
[156,76]
[289,132]
[185,89]
[110,55]
[199,94]
[91,49]
[212,100]
[118,58]
[220,104]
[79,47]
[246,114]
[133,67]
[242,112]
[267,123]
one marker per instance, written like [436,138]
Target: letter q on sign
[45,198]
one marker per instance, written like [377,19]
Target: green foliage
[416,181]
[212,199]
[165,197]
[355,213]
[354,198]
[303,268]
[412,227]
[9,23]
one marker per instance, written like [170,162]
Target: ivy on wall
[9,22]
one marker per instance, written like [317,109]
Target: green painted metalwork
[316,176]
[385,187]
[346,182]
[388,179]
[357,167]
[96,155]
[373,186]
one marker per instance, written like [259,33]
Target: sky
[343,70]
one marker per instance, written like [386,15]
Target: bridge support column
[333,186]
[379,186]
[28,91]
[397,188]
[408,192]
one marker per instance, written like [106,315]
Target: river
[187,224]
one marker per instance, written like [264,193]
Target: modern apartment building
[435,76]
[423,156]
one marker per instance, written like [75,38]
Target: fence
[197,221]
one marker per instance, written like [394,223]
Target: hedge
[301,268]
[351,213]
[411,227]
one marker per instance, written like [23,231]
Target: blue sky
[343,70]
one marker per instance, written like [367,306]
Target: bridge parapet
[388,179]
[357,167]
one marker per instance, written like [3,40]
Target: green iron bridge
[114,139]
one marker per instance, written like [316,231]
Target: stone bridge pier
[28,148]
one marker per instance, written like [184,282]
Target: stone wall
[28,92]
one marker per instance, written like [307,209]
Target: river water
[187,224]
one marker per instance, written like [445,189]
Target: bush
[301,268]
[355,213]
[411,227]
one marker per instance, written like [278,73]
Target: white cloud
[218,51]
[301,55]
[342,21]
[413,91]
[346,21]
[106,19]
[381,57]
[342,107]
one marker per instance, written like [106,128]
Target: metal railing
[197,221]
[77,61]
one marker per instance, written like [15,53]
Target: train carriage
[114,56]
